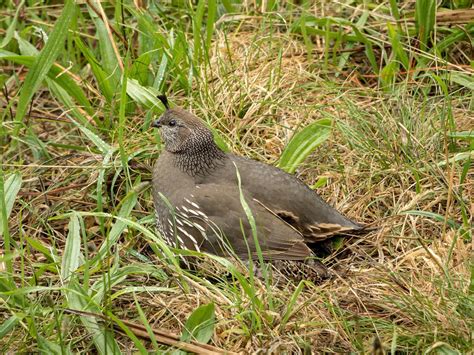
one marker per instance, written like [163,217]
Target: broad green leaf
[44,61]
[102,337]
[55,73]
[442,348]
[457,35]
[8,325]
[9,296]
[127,205]
[229,7]
[304,143]
[11,189]
[322,181]
[145,96]
[48,347]
[457,158]
[200,324]
[72,252]
[463,79]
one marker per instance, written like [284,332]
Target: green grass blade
[101,77]
[145,322]
[44,61]
[229,7]
[101,145]
[291,303]
[12,27]
[434,216]
[394,9]
[108,57]
[425,18]
[211,16]
[304,143]
[122,122]
[197,23]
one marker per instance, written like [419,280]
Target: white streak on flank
[179,221]
[198,226]
[186,222]
[194,212]
[184,214]
[198,187]
[203,215]
[170,222]
[181,242]
[188,235]
[195,205]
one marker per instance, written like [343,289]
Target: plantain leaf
[304,143]
[72,253]
[200,324]
[12,186]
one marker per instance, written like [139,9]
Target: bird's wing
[222,222]
[293,201]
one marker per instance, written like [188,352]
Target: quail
[198,200]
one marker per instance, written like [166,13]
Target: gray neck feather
[199,155]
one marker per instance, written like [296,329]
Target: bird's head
[182,131]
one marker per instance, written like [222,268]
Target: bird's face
[175,131]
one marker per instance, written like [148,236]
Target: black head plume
[164,101]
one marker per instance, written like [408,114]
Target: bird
[211,201]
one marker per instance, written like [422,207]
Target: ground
[80,234]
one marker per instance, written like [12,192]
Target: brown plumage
[198,205]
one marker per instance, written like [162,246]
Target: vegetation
[378,97]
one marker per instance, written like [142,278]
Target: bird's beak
[156,124]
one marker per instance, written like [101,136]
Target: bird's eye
[172,123]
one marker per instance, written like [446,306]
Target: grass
[394,91]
